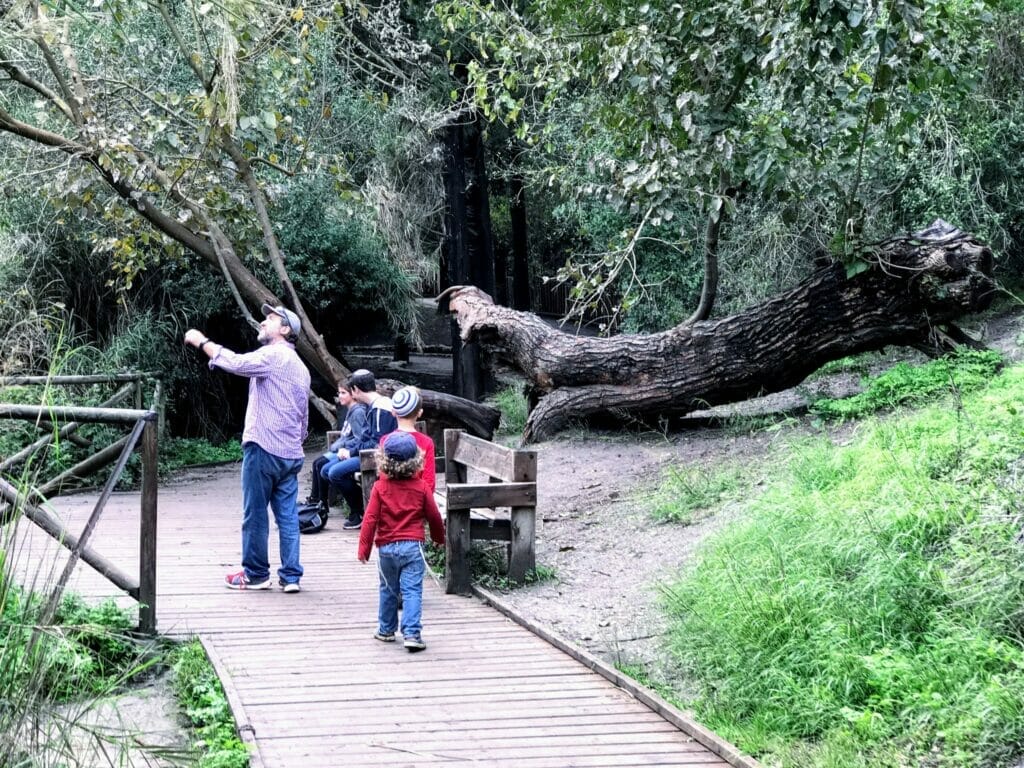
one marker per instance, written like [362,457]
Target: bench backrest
[511,482]
[511,474]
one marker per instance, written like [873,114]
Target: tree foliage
[197,118]
[714,105]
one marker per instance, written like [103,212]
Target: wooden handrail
[49,523]
[64,432]
[145,424]
[72,413]
[90,524]
[96,378]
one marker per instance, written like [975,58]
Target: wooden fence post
[521,558]
[147,535]
[457,539]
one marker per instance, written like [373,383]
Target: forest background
[171,164]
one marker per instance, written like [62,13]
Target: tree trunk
[912,284]
[712,231]
[520,244]
[468,244]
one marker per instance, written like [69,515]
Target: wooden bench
[511,481]
[472,509]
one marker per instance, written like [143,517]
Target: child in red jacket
[399,504]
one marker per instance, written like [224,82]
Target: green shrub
[872,602]
[179,452]
[202,698]
[85,650]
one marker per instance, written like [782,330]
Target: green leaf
[854,268]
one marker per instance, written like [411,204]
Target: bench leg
[456,552]
[521,550]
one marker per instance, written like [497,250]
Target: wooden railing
[62,421]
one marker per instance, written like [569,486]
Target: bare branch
[20,76]
[55,69]
[71,62]
[275,166]
[192,58]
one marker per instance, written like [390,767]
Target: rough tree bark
[912,285]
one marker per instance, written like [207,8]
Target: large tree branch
[915,282]
[712,231]
[273,250]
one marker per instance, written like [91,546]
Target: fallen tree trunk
[911,285]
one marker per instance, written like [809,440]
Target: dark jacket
[380,421]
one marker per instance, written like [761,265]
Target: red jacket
[396,512]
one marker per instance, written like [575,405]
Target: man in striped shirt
[276,420]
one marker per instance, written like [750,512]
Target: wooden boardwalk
[310,686]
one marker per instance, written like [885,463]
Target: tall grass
[870,608]
[55,671]
[688,494]
[511,401]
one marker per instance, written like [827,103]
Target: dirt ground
[610,556]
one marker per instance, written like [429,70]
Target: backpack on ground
[312,518]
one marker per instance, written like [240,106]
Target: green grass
[488,565]
[202,699]
[512,403]
[964,370]
[688,494]
[869,609]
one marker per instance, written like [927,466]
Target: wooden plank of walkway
[311,687]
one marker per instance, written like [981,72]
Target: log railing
[29,500]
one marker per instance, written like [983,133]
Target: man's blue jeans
[342,476]
[269,479]
[401,568]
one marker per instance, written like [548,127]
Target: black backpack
[312,518]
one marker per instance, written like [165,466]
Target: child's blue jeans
[401,569]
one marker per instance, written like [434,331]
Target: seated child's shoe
[414,644]
[241,581]
[384,637]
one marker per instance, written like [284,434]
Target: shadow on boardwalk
[310,687]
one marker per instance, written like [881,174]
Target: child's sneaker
[352,523]
[290,586]
[413,644]
[384,638]
[241,581]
